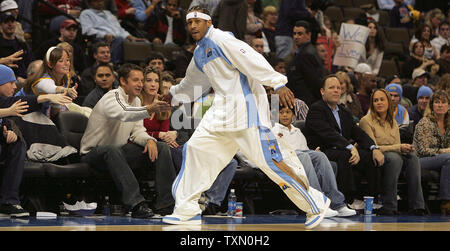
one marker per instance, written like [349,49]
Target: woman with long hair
[423,34]
[416,60]
[52,77]
[432,141]
[348,96]
[374,47]
[158,124]
[381,126]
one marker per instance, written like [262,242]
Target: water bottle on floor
[231,203]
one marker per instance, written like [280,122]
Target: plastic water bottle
[107,206]
[231,203]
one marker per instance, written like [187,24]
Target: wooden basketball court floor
[213,223]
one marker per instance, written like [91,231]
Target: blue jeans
[394,162]
[321,176]
[284,46]
[216,193]
[441,163]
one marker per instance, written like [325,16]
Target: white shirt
[100,23]
[236,72]
[115,121]
[438,42]
[293,137]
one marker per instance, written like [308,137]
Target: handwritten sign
[353,43]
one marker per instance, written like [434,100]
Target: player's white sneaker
[178,220]
[313,221]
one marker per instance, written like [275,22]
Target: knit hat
[424,91]
[394,88]
[6,75]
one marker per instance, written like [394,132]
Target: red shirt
[154,126]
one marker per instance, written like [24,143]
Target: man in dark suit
[305,71]
[331,127]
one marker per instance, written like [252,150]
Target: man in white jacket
[116,140]
[238,119]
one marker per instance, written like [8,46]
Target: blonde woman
[348,97]
[382,128]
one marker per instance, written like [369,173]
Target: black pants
[349,177]
[14,156]
[123,162]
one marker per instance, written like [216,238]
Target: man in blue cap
[400,113]
[423,98]
[13,148]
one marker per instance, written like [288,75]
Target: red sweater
[154,126]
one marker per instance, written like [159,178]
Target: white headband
[49,51]
[196,14]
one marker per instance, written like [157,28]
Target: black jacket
[305,74]
[322,130]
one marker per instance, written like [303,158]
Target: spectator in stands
[9,44]
[13,148]
[231,8]
[331,127]
[156,60]
[67,33]
[167,81]
[56,14]
[374,52]
[348,97]
[444,83]
[444,60]
[289,12]
[417,60]
[109,5]
[417,111]
[323,55]
[269,16]
[167,26]
[115,139]
[278,65]
[144,8]
[50,78]
[366,84]
[157,125]
[305,71]
[11,7]
[419,78]
[423,34]
[72,76]
[104,26]
[400,15]
[443,38]
[400,113]
[432,141]
[433,18]
[389,4]
[105,79]
[254,23]
[258,45]
[101,52]
[124,9]
[382,128]
[317,166]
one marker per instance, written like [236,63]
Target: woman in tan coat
[381,126]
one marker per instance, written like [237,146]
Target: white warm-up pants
[208,152]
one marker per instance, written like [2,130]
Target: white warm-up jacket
[236,72]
